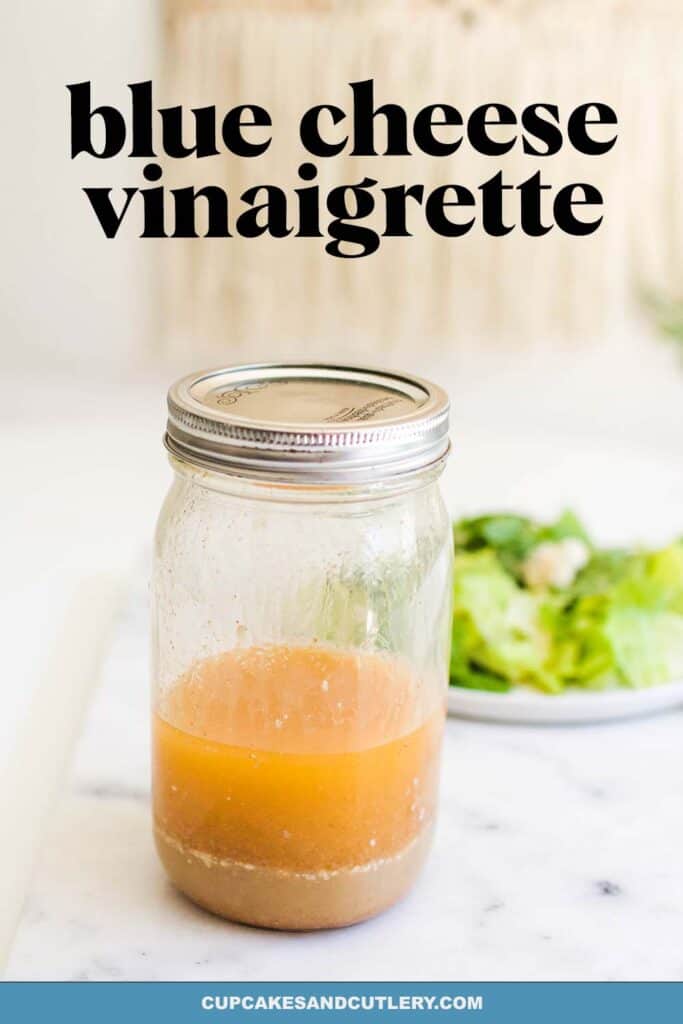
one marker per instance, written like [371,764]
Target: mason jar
[301,627]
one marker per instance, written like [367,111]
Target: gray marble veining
[557,857]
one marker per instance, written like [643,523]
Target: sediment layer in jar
[308,773]
[270,897]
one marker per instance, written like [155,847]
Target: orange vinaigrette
[295,787]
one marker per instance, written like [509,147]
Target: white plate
[528,706]
[626,495]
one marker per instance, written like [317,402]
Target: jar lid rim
[320,422]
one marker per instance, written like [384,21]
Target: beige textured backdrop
[249,297]
[542,337]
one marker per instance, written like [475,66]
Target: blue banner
[208,1003]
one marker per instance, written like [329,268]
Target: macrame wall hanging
[241,298]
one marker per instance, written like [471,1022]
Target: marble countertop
[557,857]
[558,849]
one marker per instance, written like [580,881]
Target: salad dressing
[300,636]
[296,786]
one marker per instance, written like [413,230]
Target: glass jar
[301,627]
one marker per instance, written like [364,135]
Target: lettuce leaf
[498,629]
[512,538]
[619,623]
[644,619]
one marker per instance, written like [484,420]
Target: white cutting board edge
[47,735]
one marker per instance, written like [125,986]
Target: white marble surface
[557,857]
[533,819]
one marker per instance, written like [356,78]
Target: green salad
[540,605]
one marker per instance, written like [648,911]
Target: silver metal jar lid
[307,422]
